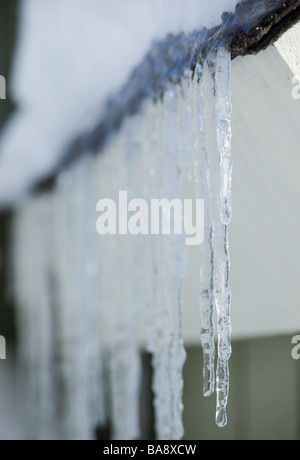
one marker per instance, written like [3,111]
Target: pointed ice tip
[208,389]
[226,216]
[208,393]
[221,418]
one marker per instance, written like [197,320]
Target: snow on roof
[71,55]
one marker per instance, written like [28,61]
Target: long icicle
[224,108]
[202,184]
[159,382]
[223,294]
[220,167]
[176,269]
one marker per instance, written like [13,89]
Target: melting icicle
[219,145]
[149,152]
[32,243]
[169,353]
[202,183]
[176,266]
[121,293]
[94,359]
[223,294]
[160,383]
[132,283]
[185,131]
[72,319]
[223,107]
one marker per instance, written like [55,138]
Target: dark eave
[275,19]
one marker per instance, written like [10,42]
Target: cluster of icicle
[81,296]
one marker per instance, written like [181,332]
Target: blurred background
[265,380]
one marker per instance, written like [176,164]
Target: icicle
[222,298]
[185,131]
[31,262]
[160,384]
[149,189]
[223,294]
[71,317]
[132,284]
[109,293]
[94,356]
[202,185]
[169,354]
[121,296]
[177,262]
[223,107]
